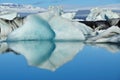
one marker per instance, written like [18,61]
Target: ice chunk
[86,30]
[56,10]
[101,14]
[114,22]
[52,11]
[35,28]
[5,29]
[66,29]
[112,34]
[8,15]
[7,26]
[69,16]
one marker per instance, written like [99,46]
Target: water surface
[47,60]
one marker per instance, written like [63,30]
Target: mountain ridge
[20,7]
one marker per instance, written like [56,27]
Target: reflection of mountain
[43,54]
[49,55]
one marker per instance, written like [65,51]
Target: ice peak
[101,14]
[57,10]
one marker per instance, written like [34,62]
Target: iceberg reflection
[46,54]
[112,47]
[3,47]
[50,55]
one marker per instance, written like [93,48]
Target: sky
[64,3]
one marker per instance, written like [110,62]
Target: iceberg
[9,21]
[8,15]
[101,14]
[49,25]
[52,25]
[111,34]
[114,22]
[66,30]
[4,30]
[34,28]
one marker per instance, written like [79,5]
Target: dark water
[46,60]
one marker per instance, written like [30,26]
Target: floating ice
[35,28]
[52,25]
[66,29]
[47,25]
[8,15]
[7,26]
[4,30]
[112,34]
[101,14]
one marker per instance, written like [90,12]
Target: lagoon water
[47,60]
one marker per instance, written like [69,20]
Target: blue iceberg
[34,28]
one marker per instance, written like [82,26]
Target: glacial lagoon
[60,60]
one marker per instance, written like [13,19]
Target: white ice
[51,25]
[44,25]
[34,28]
[9,15]
[101,14]
[69,15]
[112,34]
[4,30]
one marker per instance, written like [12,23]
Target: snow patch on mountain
[20,8]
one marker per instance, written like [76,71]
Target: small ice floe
[111,34]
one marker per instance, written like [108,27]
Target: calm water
[46,60]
